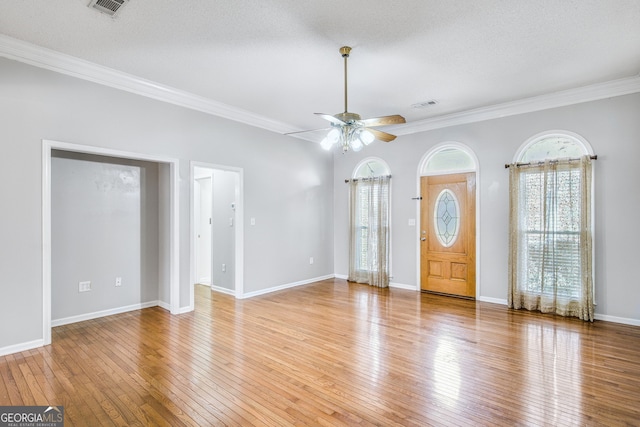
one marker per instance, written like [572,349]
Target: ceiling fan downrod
[344,51]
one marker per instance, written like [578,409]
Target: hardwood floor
[333,353]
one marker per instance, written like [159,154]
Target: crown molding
[38,56]
[55,61]
[619,87]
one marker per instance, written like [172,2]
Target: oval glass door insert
[446,218]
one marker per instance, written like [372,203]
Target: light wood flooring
[331,354]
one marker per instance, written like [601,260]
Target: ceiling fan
[351,131]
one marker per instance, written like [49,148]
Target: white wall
[287,183]
[611,126]
[203,202]
[104,222]
[223,226]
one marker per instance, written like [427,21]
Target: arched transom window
[550,147]
[448,159]
[371,167]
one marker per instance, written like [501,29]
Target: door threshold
[448,295]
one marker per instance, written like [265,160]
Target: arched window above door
[448,159]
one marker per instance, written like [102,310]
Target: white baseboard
[492,300]
[615,319]
[204,281]
[187,309]
[391,284]
[164,305]
[103,313]
[17,348]
[402,286]
[285,286]
[597,316]
[223,290]
[181,310]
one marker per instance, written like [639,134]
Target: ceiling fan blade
[308,131]
[382,136]
[331,118]
[383,121]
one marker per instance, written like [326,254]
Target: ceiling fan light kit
[350,137]
[349,130]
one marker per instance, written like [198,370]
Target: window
[550,228]
[552,147]
[552,244]
[447,160]
[446,217]
[369,223]
[370,168]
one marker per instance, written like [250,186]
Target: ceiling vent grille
[425,104]
[108,7]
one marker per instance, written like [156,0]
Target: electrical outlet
[84,286]
[224,267]
[310,260]
[118,281]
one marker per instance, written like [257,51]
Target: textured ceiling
[279,58]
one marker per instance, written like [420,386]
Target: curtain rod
[507,165]
[346,181]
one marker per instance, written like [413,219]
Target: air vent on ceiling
[425,104]
[109,7]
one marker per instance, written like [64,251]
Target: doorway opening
[448,238]
[168,225]
[216,229]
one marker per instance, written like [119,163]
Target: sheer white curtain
[369,231]
[550,259]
